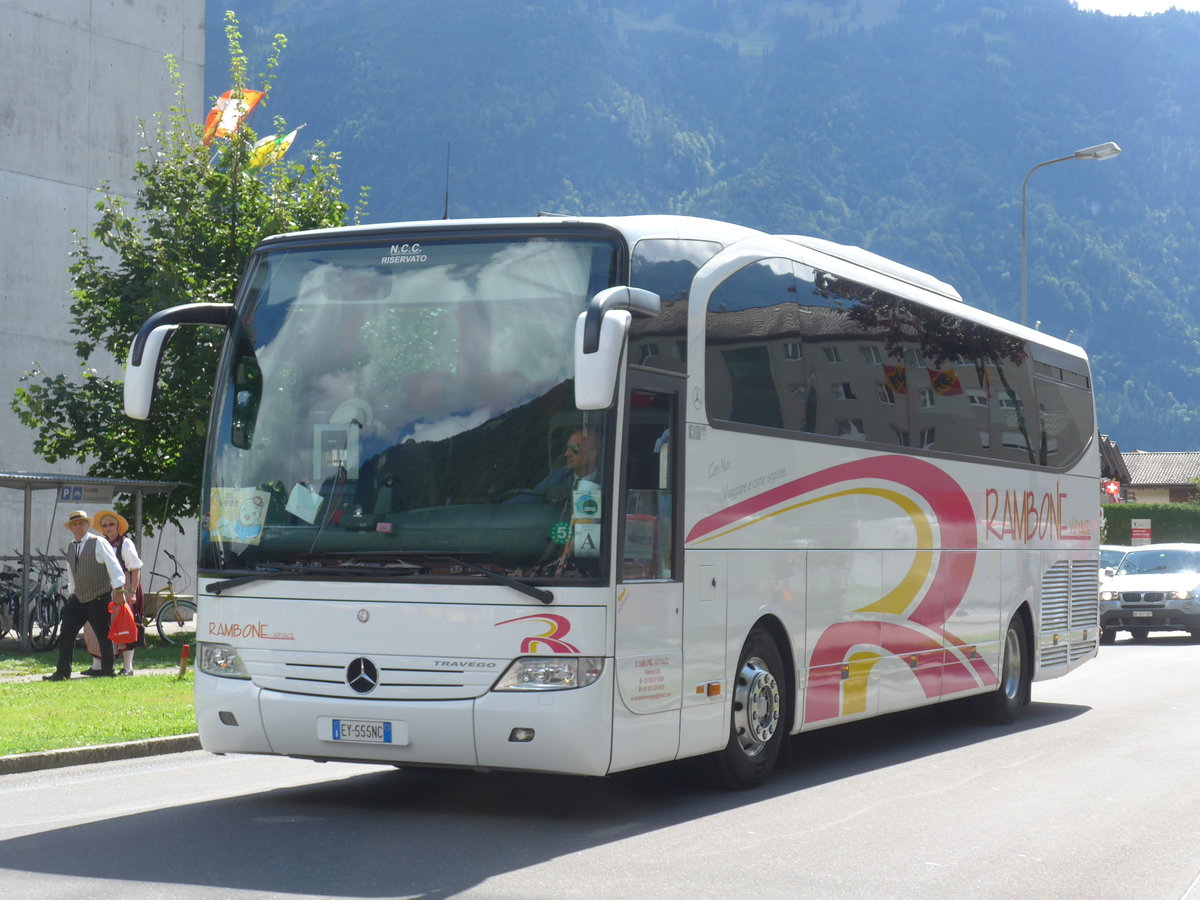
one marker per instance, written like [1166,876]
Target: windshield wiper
[398,565]
[404,558]
[516,584]
[297,570]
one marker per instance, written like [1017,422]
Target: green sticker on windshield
[559,532]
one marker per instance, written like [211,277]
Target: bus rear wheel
[758,726]
[1002,706]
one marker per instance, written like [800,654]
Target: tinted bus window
[802,350]
[667,268]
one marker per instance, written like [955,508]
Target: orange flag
[227,114]
[896,378]
[945,382]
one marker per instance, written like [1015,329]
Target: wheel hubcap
[756,706]
[1012,665]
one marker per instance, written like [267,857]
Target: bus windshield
[404,405]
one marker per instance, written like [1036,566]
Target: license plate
[362,732]
[1142,613]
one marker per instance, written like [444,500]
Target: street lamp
[1100,151]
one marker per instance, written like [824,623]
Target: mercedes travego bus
[578,495]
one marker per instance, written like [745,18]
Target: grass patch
[156,654]
[44,715]
[40,715]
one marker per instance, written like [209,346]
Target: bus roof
[874,261]
[633,228]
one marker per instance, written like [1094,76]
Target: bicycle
[48,600]
[10,603]
[176,616]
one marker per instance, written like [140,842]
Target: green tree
[198,213]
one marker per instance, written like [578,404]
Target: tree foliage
[197,214]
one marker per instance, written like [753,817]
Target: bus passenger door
[649,613]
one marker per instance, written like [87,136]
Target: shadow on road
[429,833]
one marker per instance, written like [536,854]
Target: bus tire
[1003,705]
[757,726]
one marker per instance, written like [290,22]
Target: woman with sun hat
[114,527]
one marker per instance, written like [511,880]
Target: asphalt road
[1094,794]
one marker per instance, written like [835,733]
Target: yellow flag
[271,149]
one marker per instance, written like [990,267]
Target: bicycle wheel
[47,617]
[8,616]
[176,621]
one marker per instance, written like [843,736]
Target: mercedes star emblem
[362,676]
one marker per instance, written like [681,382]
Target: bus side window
[665,266]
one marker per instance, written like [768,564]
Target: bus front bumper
[567,731]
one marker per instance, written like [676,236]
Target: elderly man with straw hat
[93,573]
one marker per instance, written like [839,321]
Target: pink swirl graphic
[926,639]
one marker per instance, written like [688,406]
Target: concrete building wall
[78,75]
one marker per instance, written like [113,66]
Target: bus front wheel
[757,725]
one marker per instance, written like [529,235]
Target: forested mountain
[903,126]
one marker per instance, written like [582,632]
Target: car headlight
[1108,596]
[221,660]
[550,673]
[1179,595]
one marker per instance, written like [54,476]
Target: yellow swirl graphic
[903,594]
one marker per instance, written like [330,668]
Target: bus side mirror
[600,340]
[141,377]
[145,353]
[596,373]
[638,300]
[247,396]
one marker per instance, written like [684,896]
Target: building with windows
[1162,477]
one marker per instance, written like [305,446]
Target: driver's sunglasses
[574,448]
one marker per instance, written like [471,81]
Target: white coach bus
[579,495]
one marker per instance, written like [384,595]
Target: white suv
[1156,587]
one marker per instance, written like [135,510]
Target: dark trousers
[73,616]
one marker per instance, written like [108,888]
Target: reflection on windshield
[1109,559]
[377,406]
[1159,562]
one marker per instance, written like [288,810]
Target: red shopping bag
[123,629]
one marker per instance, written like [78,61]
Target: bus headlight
[550,673]
[221,660]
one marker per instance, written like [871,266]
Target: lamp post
[1100,151]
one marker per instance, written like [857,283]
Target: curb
[77,756]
